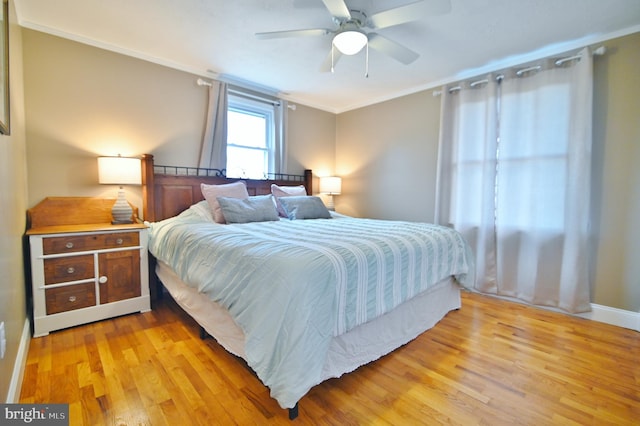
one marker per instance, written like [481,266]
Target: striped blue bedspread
[293,285]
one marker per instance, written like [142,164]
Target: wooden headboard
[169,190]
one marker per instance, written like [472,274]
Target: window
[250,138]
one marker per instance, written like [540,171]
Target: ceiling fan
[352,33]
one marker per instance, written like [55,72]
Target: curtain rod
[202,82]
[237,92]
[243,94]
[599,51]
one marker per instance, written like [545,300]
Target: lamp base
[121,211]
[330,205]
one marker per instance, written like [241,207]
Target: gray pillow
[305,207]
[259,208]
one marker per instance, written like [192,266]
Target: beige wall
[387,154]
[617,174]
[83,102]
[311,137]
[13,203]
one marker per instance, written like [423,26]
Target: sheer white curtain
[467,172]
[213,151]
[515,180]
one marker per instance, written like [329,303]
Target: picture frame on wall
[5,126]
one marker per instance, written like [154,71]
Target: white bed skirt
[347,352]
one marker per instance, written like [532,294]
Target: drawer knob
[69,245]
[71,270]
[72,299]
[119,241]
[102,279]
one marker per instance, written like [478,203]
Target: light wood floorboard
[490,363]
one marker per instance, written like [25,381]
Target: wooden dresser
[84,269]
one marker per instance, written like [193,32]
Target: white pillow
[231,190]
[286,191]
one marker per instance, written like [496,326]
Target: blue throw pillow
[305,207]
[259,208]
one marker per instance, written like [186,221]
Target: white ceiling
[215,38]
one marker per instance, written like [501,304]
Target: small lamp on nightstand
[331,185]
[120,171]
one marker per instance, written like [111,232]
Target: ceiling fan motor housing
[358,20]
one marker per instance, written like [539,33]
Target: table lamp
[120,171]
[331,185]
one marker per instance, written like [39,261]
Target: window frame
[244,105]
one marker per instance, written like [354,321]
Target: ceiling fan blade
[337,8]
[326,64]
[294,33]
[409,12]
[391,48]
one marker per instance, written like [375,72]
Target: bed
[303,300]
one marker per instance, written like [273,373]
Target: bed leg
[293,412]
[203,333]
[154,281]
[159,291]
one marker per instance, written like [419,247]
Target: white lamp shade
[330,185]
[119,171]
[350,42]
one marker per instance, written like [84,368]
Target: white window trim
[241,104]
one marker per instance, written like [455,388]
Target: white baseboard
[600,313]
[613,316]
[15,386]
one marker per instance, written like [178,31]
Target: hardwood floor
[490,363]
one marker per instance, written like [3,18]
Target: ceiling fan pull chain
[366,70]
[332,47]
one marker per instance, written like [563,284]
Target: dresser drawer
[75,243]
[64,269]
[62,299]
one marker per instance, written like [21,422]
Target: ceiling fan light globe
[350,42]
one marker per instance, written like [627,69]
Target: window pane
[531,194]
[246,162]
[246,129]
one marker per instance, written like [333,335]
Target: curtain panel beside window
[213,151]
[280,149]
